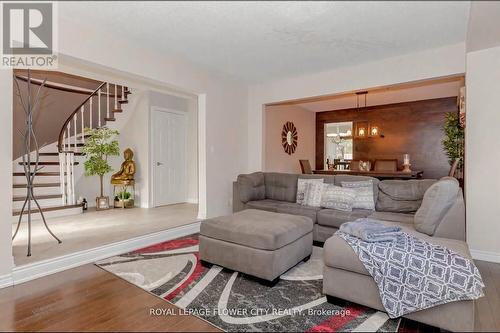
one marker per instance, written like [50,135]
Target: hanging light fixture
[363,128]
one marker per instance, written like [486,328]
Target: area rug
[234,301]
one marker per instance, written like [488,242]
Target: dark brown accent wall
[412,127]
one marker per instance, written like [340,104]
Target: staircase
[55,181]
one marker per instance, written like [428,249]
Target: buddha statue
[126,174]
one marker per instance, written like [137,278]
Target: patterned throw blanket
[414,275]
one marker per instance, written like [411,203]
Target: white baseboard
[485,255]
[192,200]
[21,274]
[6,281]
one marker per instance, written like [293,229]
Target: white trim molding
[6,281]
[485,255]
[39,269]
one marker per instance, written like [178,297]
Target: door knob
[159,163]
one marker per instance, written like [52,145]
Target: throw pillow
[336,197]
[301,187]
[437,200]
[364,194]
[313,194]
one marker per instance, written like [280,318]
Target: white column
[69,136]
[74,129]
[72,178]
[68,180]
[90,110]
[82,114]
[61,177]
[99,106]
[107,100]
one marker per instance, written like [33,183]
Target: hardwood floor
[90,299]
[488,307]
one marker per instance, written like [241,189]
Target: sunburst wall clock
[289,138]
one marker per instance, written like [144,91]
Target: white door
[169,157]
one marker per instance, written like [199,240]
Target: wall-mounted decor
[289,138]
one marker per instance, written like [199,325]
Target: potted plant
[97,148]
[123,199]
[454,141]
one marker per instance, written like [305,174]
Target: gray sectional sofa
[437,216]
[396,201]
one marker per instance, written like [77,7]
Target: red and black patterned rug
[236,302]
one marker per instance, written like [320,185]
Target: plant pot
[102,203]
[124,203]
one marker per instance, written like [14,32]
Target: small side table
[124,193]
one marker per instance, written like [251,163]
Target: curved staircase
[55,178]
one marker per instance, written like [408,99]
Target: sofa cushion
[257,229]
[402,196]
[251,187]
[350,178]
[313,195]
[302,186]
[338,254]
[336,197]
[335,218]
[387,204]
[266,204]
[281,186]
[393,217]
[413,189]
[437,200]
[327,179]
[296,209]
[364,194]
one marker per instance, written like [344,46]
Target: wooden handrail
[62,87]
[63,129]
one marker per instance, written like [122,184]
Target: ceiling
[259,41]
[386,95]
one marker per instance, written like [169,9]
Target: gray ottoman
[259,243]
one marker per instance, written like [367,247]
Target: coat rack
[29,106]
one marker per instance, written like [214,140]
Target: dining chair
[389,165]
[354,165]
[305,166]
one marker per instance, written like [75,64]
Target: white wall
[133,125]
[222,115]
[441,62]
[389,95]
[6,261]
[482,153]
[277,159]
[226,100]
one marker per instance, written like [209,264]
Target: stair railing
[68,142]
[65,134]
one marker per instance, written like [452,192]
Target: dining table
[414,174]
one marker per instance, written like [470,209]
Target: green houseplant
[99,145]
[454,139]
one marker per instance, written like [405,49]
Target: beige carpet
[93,229]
